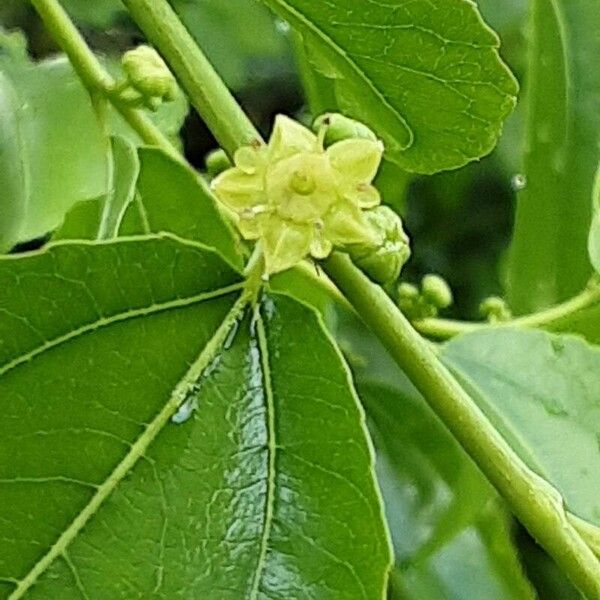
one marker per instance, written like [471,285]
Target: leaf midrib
[136,451]
[263,349]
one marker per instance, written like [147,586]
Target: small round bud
[148,75]
[408,291]
[436,291]
[412,304]
[383,261]
[337,127]
[217,161]
[495,310]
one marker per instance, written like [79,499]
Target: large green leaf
[159,439]
[451,538]
[594,241]
[427,77]
[548,258]
[541,391]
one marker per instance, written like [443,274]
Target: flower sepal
[382,260]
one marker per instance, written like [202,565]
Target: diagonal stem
[550,318]
[93,74]
[532,499]
[204,86]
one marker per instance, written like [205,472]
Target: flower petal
[346,224]
[284,244]
[251,226]
[320,247]
[249,159]
[238,190]
[357,160]
[364,195]
[289,138]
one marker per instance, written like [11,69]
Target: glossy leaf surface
[426,77]
[548,258]
[150,421]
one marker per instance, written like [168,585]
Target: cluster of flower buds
[307,192]
[434,295]
[495,310]
[148,81]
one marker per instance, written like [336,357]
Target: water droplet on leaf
[185,410]
[282,27]
[518,182]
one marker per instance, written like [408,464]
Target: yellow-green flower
[300,199]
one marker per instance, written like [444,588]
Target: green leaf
[172,197]
[12,177]
[427,79]
[541,392]
[82,222]
[594,241]
[100,218]
[594,234]
[451,537]
[548,257]
[60,147]
[158,438]
[59,144]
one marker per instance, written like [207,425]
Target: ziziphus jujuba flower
[300,197]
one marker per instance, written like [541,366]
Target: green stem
[532,499]
[93,75]
[206,90]
[443,329]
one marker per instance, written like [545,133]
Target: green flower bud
[148,79]
[298,198]
[217,161]
[495,310]
[412,303]
[337,127]
[408,291]
[436,291]
[383,261]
